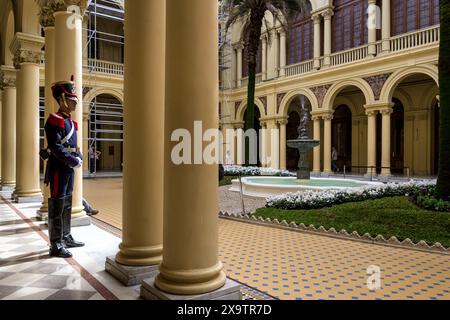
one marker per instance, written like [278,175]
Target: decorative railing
[100,66]
[299,68]
[350,55]
[106,67]
[415,39]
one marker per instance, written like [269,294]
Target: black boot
[55,229]
[67,219]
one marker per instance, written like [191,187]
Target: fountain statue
[303,143]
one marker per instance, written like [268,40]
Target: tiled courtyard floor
[283,264]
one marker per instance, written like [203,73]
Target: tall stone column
[371,141]
[372,32]
[386,141]
[48,22]
[190,259]
[27,58]
[8,127]
[386,26]
[68,62]
[264,147]
[316,150]
[327,15]
[1,150]
[282,54]
[143,177]
[317,40]
[327,144]
[240,144]
[264,57]
[283,143]
[239,49]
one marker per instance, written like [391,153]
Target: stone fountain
[304,144]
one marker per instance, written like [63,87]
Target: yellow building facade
[371,86]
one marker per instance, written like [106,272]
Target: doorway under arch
[341,138]
[397,138]
[106,134]
[256,127]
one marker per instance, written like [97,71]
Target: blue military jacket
[57,127]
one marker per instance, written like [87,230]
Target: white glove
[80,163]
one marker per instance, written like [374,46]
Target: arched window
[349,24]
[300,38]
[411,15]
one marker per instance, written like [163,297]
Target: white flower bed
[255,171]
[320,199]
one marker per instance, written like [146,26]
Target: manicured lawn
[389,217]
[227,180]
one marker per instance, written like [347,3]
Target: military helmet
[64,89]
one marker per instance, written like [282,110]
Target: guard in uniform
[63,157]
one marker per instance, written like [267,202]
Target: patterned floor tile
[71,295]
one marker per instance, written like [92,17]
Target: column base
[230,291]
[130,276]
[27,199]
[41,215]
[326,174]
[369,175]
[7,188]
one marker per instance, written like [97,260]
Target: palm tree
[443,184]
[252,15]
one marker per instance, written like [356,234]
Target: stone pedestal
[19,199]
[130,276]
[230,291]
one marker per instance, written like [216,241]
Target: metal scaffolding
[105,117]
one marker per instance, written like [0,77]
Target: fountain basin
[264,187]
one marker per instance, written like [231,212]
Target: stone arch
[87,99]
[430,97]
[404,98]
[243,106]
[338,87]
[28,19]
[285,103]
[395,79]
[341,100]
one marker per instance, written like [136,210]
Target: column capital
[386,111]
[378,106]
[327,14]
[238,125]
[372,2]
[65,5]
[282,121]
[238,46]
[46,13]
[327,117]
[7,77]
[371,113]
[317,18]
[27,48]
[316,118]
